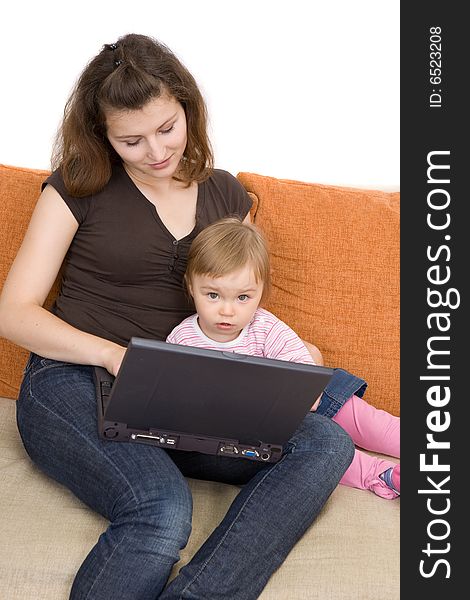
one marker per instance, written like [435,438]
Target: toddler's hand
[315,406]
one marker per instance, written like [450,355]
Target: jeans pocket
[39,364]
[28,364]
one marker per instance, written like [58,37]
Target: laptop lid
[205,400]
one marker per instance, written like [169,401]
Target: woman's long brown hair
[126,76]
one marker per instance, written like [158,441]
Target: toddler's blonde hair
[226,246]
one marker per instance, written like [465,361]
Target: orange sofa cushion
[20,190]
[335,271]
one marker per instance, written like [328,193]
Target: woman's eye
[169,130]
[133,143]
[213,295]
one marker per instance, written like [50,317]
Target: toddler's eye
[213,295]
[243,297]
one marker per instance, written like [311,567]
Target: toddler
[228,276]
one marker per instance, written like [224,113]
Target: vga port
[251,453]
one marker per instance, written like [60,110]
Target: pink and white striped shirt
[265,336]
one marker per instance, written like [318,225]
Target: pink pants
[371,429]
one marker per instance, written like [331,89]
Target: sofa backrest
[335,262]
[20,189]
[336,274]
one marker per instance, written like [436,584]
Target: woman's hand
[112,358]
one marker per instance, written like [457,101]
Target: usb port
[171,441]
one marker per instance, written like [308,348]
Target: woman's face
[151,141]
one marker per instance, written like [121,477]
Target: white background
[299,89]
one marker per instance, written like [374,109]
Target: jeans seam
[104,566]
[202,568]
[334,405]
[106,458]
[46,368]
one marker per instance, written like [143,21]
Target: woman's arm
[23,320]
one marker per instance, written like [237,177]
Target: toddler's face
[225,305]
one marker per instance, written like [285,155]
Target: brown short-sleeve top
[124,270]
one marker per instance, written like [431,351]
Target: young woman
[132,185]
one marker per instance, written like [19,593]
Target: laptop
[209,401]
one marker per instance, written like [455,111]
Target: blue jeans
[338,391]
[143,492]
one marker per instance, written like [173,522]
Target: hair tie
[114,47]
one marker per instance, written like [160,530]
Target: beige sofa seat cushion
[45,534]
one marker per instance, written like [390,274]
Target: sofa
[335,271]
